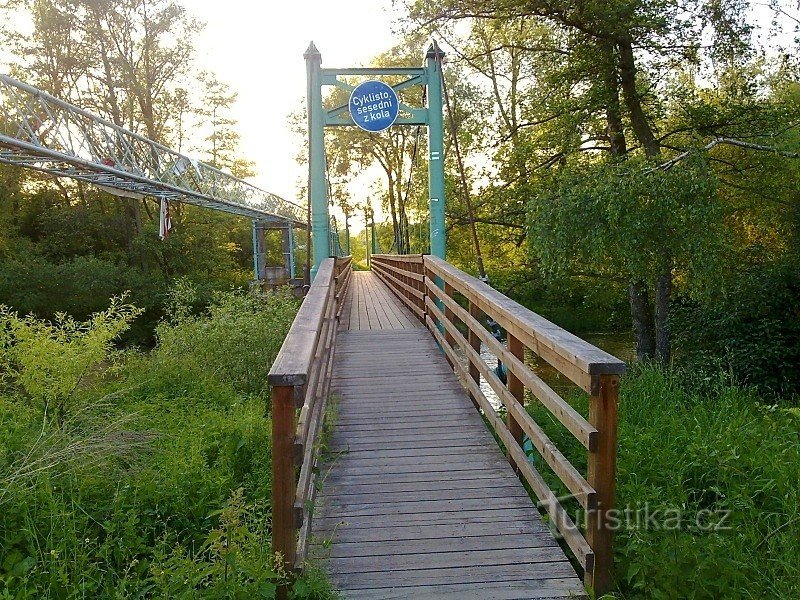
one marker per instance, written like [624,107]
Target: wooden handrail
[575,358]
[592,369]
[300,381]
[404,275]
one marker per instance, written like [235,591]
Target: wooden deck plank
[391,318]
[374,307]
[511,590]
[416,499]
[439,545]
[325,525]
[377,496]
[397,533]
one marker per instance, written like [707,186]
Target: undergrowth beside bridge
[155,483]
[707,491]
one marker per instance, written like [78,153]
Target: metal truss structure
[44,133]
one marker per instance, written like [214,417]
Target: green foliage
[185,515]
[214,254]
[233,561]
[688,445]
[230,342]
[79,286]
[622,219]
[752,334]
[50,360]
[578,304]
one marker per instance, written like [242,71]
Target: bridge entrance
[429,115]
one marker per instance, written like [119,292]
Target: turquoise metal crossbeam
[374,71]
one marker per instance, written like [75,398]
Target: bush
[752,331]
[234,341]
[50,360]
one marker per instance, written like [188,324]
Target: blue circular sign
[374,106]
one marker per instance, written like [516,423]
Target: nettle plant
[49,360]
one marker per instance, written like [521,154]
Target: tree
[602,87]
[221,143]
[131,62]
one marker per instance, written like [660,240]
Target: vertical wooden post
[419,268]
[284,428]
[449,314]
[602,476]
[475,342]
[516,387]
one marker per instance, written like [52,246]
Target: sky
[257,48]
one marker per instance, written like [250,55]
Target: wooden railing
[592,369]
[404,274]
[300,380]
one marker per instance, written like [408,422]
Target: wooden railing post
[449,315]
[475,342]
[284,427]
[516,387]
[602,476]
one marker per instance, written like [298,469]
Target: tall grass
[712,474]
[187,514]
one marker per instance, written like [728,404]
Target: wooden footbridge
[422,489]
[418,487]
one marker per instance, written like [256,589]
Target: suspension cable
[464,186]
[403,216]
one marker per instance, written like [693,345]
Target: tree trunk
[614,127]
[393,212]
[662,302]
[642,314]
[627,76]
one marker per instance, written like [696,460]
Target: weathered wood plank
[431,406]
[509,489]
[324,524]
[433,579]
[349,512]
[387,429]
[376,443]
[533,589]
[449,560]
[374,307]
[460,484]
[441,545]
[398,533]
[337,478]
